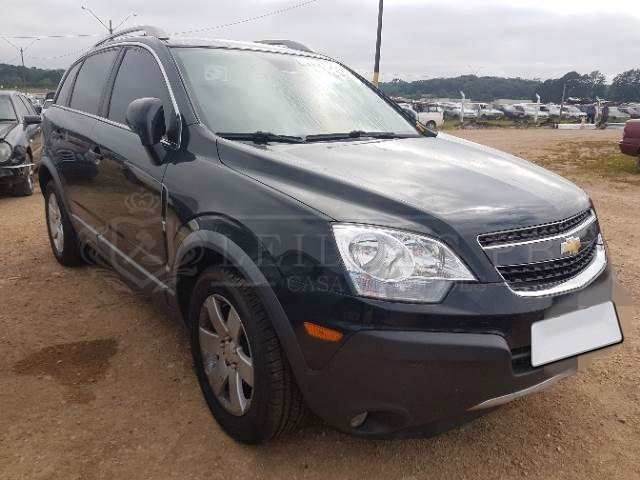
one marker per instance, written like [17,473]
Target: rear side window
[91,81]
[139,76]
[65,89]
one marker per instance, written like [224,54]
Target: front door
[130,179]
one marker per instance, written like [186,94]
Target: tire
[271,404]
[67,250]
[432,125]
[24,188]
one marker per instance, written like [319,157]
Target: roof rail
[288,44]
[146,30]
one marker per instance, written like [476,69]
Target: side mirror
[145,116]
[38,109]
[31,120]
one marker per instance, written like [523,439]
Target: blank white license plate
[577,332]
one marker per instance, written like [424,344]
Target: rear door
[71,137]
[130,179]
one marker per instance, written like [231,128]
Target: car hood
[5,128]
[474,189]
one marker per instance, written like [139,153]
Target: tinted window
[139,76]
[91,81]
[65,89]
[21,108]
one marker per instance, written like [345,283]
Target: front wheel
[241,367]
[26,186]
[432,125]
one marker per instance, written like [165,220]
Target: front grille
[533,233]
[543,275]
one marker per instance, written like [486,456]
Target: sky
[421,38]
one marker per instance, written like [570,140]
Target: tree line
[625,87]
[12,76]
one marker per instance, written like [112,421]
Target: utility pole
[376,68]
[564,92]
[21,50]
[110,28]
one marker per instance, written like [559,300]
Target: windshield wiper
[351,135]
[261,137]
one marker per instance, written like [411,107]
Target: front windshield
[247,91]
[6,109]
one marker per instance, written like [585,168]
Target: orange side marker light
[322,333]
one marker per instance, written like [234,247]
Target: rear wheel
[432,125]
[242,370]
[62,235]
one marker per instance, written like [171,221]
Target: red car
[630,144]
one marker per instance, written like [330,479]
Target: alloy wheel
[56,229]
[226,354]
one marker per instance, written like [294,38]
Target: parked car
[453,112]
[553,111]
[486,112]
[20,143]
[632,110]
[616,114]
[571,111]
[512,112]
[47,104]
[325,254]
[528,110]
[432,117]
[630,144]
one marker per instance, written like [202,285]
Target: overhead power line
[246,20]
[186,32]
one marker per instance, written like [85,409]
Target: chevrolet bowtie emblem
[570,245]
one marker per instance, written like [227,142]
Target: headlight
[5,151]
[397,265]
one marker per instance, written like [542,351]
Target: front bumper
[408,381]
[10,175]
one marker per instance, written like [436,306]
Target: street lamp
[110,26]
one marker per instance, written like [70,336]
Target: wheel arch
[48,173]
[202,249]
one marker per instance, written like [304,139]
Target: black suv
[324,250]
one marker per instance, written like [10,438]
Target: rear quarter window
[65,88]
[91,80]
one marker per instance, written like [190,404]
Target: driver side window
[138,76]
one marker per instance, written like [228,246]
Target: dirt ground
[97,383]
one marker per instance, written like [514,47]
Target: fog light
[359,420]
